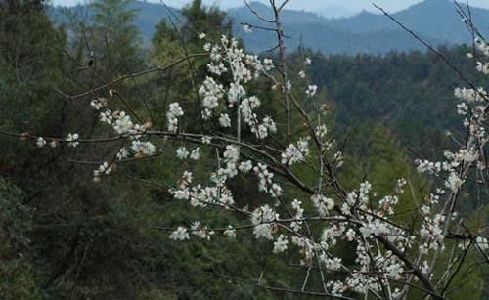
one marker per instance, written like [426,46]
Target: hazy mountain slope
[335,11]
[331,36]
[435,20]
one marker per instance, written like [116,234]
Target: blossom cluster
[289,204]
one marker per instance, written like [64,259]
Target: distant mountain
[335,12]
[435,20]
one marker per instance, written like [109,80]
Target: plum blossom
[281,244]
[40,142]
[123,124]
[72,139]
[247,28]
[174,112]
[225,120]
[311,90]
[454,182]
[180,234]
[230,232]
[262,218]
[195,154]
[323,204]
[182,153]
[143,148]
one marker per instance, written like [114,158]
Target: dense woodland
[63,236]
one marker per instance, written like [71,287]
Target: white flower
[395,270]
[483,68]
[454,183]
[97,104]
[262,218]
[143,148]
[462,108]
[247,28]
[123,124]
[350,235]
[187,178]
[268,64]
[211,93]
[276,190]
[174,112]
[122,154]
[235,93]
[295,153]
[225,120]
[401,183]
[260,130]
[182,153]
[296,205]
[201,231]
[322,131]
[470,95]
[307,61]
[104,168]
[202,35]
[231,158]
[311,90]
[183,194]
[302,74]
[230,232]
[245,166]
[338,288]
[323,204]
[195,155]
[333,264]
[40,143]
[482,242]
[72,139]
[264,177]
[291,155]
[207,47]
[206,140]
[425,269]
[280,244]
[180,234]
[106,116]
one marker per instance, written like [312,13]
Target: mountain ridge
[436,21]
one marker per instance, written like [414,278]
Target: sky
[330,8]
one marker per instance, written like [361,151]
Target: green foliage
[199,19]
[374,155]
[31,64]
[17,274]
[402,91]
[115,37]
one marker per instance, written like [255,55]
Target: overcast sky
[322,6]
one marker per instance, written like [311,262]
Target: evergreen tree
[116,44]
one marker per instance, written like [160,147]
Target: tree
[116,39]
